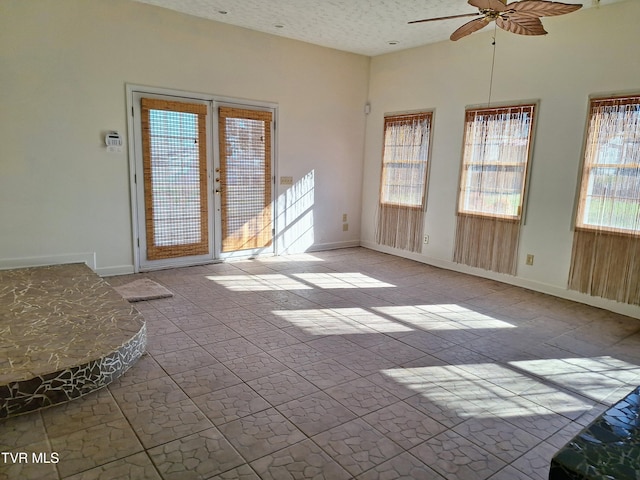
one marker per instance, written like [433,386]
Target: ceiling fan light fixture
[520,17]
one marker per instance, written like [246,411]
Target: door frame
[213,162]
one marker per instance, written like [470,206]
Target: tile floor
[338,365]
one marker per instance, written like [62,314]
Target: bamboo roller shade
[245,178]
[176,218]
[471,113]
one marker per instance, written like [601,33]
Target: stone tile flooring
[338,365]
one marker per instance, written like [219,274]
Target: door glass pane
[175,173]
[175,178]
[245,170]
[245,163]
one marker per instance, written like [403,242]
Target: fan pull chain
[493,62]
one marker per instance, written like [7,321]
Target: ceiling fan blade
[521,25]
[446,18]
[497,5]
[542,8]
[470,27]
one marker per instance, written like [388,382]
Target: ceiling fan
[521,17]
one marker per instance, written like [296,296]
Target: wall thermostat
[113,141]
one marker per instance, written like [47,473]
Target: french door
[245,178]
[202,180]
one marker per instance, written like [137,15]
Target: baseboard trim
[88,258]
[117,270]
[553,290]
[319,247]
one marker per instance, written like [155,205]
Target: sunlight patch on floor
[341,280]
[258,283]
[598,378]
[332,322]
[466,395]
[323,322]
[379,323]
[444,319]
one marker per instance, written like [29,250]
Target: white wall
[64,67]
[588,52]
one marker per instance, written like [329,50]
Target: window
[404,160]
[494,164]
[403,184]
[495,158]
[605,259]
[610,191]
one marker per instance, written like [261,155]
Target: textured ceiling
[366,27]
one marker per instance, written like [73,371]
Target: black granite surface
[607,449]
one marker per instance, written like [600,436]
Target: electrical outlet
[344,217]
[529,259]
[426,239]
[345,227]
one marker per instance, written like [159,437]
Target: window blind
[610,187]
[245,178]
[403,184]
[494,164]
[496,149]
[605,259]
[175,179]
